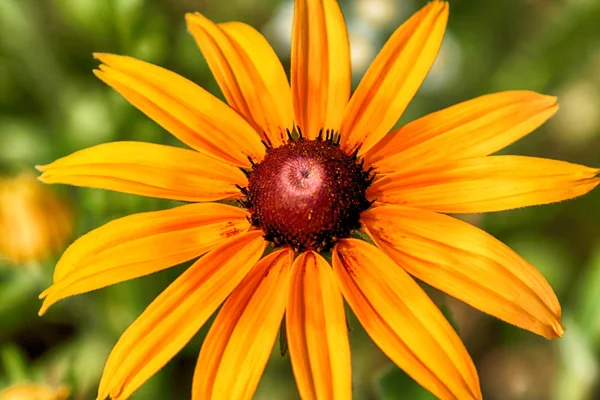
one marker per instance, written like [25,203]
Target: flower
[311,166]
[31,391]
[34,222]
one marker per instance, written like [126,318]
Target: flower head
[34,221]
[307,193]
[311,165]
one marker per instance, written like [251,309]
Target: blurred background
[51,105]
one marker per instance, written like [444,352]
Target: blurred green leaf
[17,287]
[548,255]
[395,384]
[578,367]
[14,364]
[86,356]
[26,140]
[90,16]
[22,36]
[90,120]
[584,307]
[128,16]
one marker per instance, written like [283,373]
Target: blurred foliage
[51,105]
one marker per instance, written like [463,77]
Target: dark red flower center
[307,194]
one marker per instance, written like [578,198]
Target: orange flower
[311,166]
[31,391]
[34,222]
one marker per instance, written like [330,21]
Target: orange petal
[193,115]
[142,244]
[403,321]
[316,331]
[320,65]
[238,345]
[485,184]
[249,74]
[394,77]
[147,169]
[466,263]
[474,128]
[175,316]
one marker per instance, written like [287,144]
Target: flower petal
[193,115]
[320,65]
[466,263]
[393,78]
[474,128]
[317,332]
[142,244]
[238,345]
[485,184]
[403,321]
[147,169]
[175,316]
[249,74]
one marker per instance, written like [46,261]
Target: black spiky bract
[307,193]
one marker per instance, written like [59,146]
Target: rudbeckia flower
[34,221]
[311,166]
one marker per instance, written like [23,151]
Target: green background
[52,105]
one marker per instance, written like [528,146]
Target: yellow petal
[193,115]
[147,169]
[485,184]
[316,331]
[175,316]
[474,128]
[320,65]
[249,74]
[142,244]
[403,321]
[466,263]
[238,345]
[394,77]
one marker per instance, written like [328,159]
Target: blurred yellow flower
[34,221]
[33,391]
[311,165]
